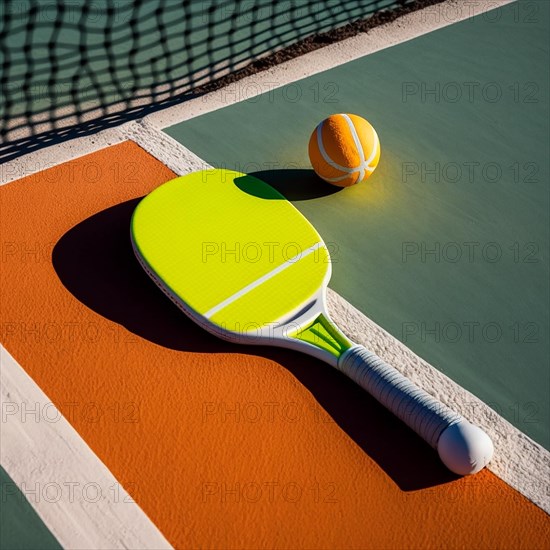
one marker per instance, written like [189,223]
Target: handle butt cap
[464,448]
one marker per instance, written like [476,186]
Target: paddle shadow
[95,262]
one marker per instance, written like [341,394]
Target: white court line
[44,455]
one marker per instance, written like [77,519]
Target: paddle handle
[463,447]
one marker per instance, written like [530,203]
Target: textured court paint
[375,225]
[182,451]
[20,526]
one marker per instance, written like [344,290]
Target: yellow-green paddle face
[230,249]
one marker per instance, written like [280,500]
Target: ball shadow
[297,184]
[95,262]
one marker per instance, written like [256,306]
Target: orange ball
[344,149]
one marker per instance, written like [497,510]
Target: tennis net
[70,67]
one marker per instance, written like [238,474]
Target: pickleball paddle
[241,261]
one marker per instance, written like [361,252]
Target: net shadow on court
[70,70]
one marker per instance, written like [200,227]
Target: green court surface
[446,246]
[20,526]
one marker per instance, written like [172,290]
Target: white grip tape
[424,414]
